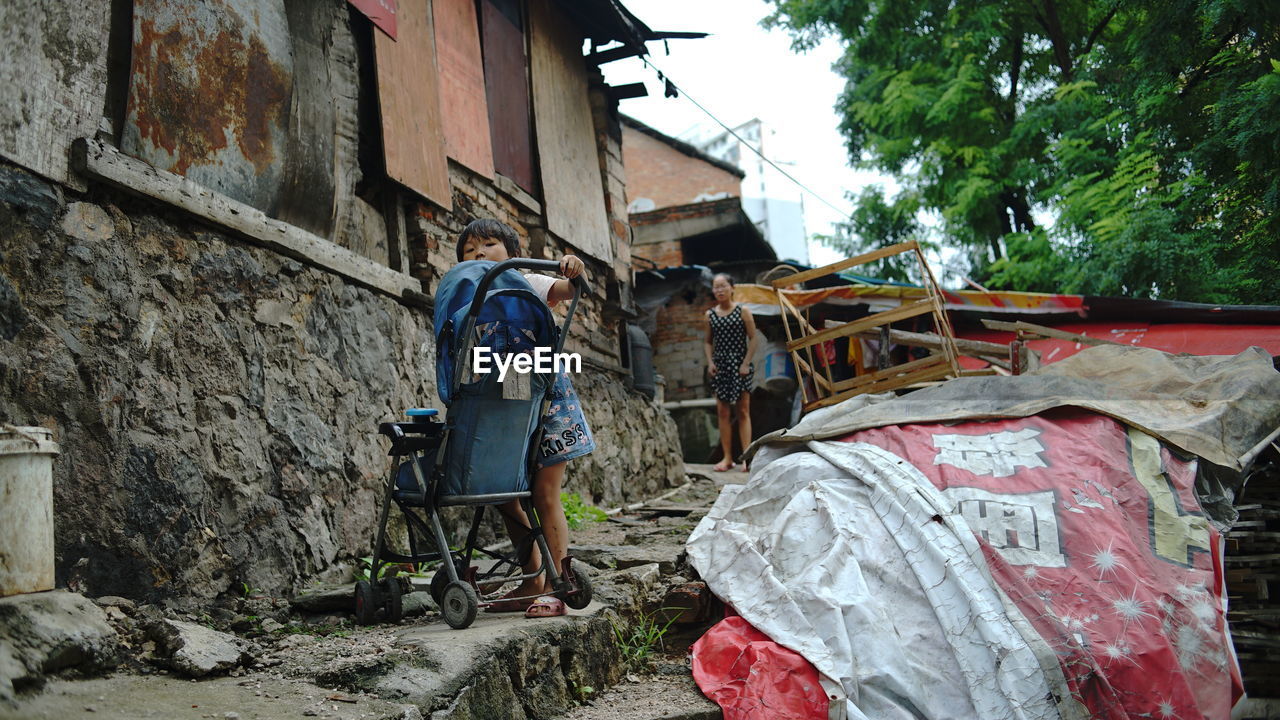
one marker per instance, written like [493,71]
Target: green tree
[882,223]
[1146,132]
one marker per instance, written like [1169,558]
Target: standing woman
[730,346]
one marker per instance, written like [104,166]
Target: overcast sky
[742,72]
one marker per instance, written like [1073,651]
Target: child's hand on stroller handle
[571,266]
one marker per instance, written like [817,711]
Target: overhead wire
[670,89]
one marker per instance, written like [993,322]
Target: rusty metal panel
[506,79]
[466,124]
[210,94]
[409,96]
[572,190]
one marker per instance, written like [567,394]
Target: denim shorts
[565,433]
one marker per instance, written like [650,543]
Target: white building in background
[774,203]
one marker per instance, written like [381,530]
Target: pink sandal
[546,606]
[721,467]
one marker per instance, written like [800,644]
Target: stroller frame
[458,587]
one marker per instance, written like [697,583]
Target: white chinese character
[998,454]
[1023,527]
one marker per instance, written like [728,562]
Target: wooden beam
[972,348]
[836,267]
[1026,327]
[981,372]
[105,163]
[889,372]
[920,307]
[807,368]
[935,372]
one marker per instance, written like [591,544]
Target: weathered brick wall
[665,254]
[667,176]
[678,346]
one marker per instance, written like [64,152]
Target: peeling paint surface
[210,94]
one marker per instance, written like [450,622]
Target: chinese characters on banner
[1094,533]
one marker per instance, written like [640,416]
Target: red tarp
[1193,338]
[1092,533]
[751,676]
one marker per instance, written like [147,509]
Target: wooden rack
[827,391]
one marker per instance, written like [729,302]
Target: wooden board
[910,310]
[506,81]
[1041,330]
[873,377]
[409,97]
[462,93]
[53,71]
[845,264]
[308,195]
[572,189]
[105,163]
[932,372]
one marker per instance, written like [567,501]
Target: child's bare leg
[517,524]
[726,434]
[546,501]
[744,421]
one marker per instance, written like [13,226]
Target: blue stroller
[482,454]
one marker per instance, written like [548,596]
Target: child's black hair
[727,278]
[490,228]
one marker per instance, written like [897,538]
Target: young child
[565,433]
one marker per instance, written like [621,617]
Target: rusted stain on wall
[210,93]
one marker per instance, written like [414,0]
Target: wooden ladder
[827,391]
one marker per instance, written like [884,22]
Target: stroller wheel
[439,582]
[366,603]
[395,602]
[459,605]
[581,596]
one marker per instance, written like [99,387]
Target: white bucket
[779,372]
[26,509]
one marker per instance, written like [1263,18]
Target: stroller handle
[579,284]
[580,287]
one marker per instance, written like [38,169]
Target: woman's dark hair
[727,278]
[490,228]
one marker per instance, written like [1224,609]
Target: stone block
[45,633]
[197,651]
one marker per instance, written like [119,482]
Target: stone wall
[217,403]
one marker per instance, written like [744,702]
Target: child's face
[484,248]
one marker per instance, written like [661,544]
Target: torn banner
[1057,565]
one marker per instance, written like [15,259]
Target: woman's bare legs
[744,422]
[726,434]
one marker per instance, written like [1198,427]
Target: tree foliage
[1108,147]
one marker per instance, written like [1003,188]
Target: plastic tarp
[1050,565]
[1218,407]
[749,675]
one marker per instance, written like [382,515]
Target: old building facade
[221,224]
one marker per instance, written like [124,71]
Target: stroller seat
[482,454]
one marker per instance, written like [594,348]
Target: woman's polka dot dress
[728,348]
